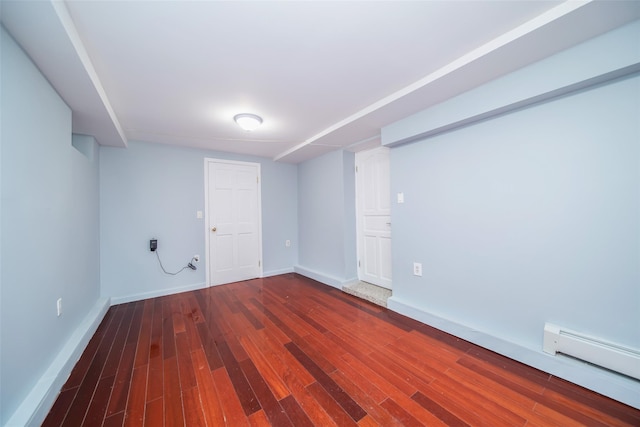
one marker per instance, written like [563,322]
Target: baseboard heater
[593,350]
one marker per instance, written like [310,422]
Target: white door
[373,209]
[234,243]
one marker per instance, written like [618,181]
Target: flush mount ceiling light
[248,121]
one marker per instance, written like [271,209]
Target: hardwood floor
[288,351]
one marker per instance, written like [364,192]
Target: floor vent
[593,350]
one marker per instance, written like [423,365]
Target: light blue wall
[50,241]
[527,218]
[153,191]
[326,215]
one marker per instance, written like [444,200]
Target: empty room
[329,213]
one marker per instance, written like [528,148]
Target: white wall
[50,241]
[153,191]
[528,217]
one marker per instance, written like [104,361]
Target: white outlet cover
[417,269]
[199,214]
[400,197]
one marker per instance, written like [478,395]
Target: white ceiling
[322,74]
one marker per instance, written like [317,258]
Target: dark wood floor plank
[259,419]
[392,375]
[268,402]
[440,412]
[413,377]
[209,347]
[334,390]
[120,392]
[154,413]
[136,321]
[173,408]
[232,407]
[155,375]
[244,391]
[77,411]
[115,420]
[332,407]
[185,365]
[373,410]
[302,315]
[390,390]
[264,366]
[193,415]
[290,333]
[419,344]
[142,353]
[168,343]
[59,411]
[80,369]
[592,415]
[593,400]
[134,413]
[454,395]
[99,402]
[521,385]
[222,330]
[429,367]
[117,349]
[178,317]
[212,409]
[403,417]
[512,400]
[287,350]
[257,324]
[293,322]
[312,408]
[551,417]
[317,352]
[193,338]
[295,413]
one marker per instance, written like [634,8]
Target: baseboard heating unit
[593,350]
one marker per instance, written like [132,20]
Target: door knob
[214,229]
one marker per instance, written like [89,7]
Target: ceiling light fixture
[248,121]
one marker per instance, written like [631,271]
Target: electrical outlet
[287,243]
[59,306]
[196,258]
[417,269]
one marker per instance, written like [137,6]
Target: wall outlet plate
[417,269]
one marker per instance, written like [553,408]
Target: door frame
[207,234]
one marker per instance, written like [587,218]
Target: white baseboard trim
[323,278]
[278,272]
[35,407]
[157,293]
[619,387]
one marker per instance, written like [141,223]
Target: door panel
[233,221]
[374,216]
